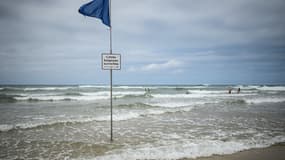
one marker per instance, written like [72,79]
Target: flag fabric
[98,9]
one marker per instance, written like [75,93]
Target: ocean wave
[48,123]
[5,127]
[26,89]
[61,98]
[136,106]
[271,88]
[121,116]
[177,151]
[8,98]
[151,110]
[74,96]
[137,96]
[262,87]
[265,100]
[47,88]
[207,92]
[193,149]
[186,95]
[236,101]
[170,104]
[115,93]
[93,86]
[129,87]
[31,125]
[7,89]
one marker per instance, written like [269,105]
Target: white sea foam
[61,98]
[93,86]
[207,92]
[223,92]
[86,96]
[116,93]
[173,104]
[199,95]
[263,88]
[101,93]
[129,93]
[48,121]
[139,113]
[119,116]
[5,127]
[247,87]
[265,100]
[169,104]
[177,151]
[46,88]
[193,149]
[175,96]
[129,87]
[272,88]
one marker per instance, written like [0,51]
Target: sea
[149,121]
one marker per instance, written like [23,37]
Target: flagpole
[111,75]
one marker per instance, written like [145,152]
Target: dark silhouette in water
[147,90]
[238,91]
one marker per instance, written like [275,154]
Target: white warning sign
[111,61]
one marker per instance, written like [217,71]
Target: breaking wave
[265,100]
[8,98]
[148,110]
[194,149]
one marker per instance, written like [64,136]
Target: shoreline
[274,152]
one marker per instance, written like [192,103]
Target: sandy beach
[275,152]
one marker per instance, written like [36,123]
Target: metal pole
[111,75]
[111,103]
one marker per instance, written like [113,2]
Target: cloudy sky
[161,42]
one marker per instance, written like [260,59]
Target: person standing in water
[238,91]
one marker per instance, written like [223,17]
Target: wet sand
[275,152]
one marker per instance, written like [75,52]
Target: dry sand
[275,152]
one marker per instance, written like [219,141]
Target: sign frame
[111,67]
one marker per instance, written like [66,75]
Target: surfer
[238,91]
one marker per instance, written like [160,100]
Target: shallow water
[168,122]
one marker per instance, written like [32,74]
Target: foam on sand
[193,149]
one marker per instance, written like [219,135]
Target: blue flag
[98,9]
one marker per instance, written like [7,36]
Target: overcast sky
[161,42]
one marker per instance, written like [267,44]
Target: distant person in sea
[230,91]
[238,91]
[147,91]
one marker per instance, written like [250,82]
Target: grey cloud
[53,33]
